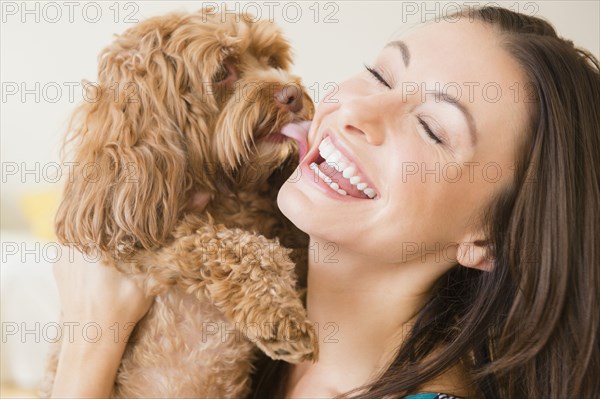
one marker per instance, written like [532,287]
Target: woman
[474,269]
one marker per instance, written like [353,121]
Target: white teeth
[321,175]
[335,165]
[327,152]
[335,159]
[370,192]
[349,172]
[324,143]
[327,179]
[326,148]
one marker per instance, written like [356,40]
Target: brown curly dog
[190,106]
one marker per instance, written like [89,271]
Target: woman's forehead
[466,59]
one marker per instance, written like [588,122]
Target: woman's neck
[362,309]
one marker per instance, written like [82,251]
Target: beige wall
[60,48]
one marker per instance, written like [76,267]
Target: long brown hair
[529,328]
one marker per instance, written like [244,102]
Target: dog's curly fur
[185,103]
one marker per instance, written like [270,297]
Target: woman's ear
[474,251]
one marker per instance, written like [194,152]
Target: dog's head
[181,101]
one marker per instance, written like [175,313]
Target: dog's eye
[273,62]
[222,74]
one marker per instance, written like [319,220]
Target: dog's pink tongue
[299,132]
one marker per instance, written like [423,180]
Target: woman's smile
[333,163]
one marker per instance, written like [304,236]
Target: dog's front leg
[250,279]
[257,289]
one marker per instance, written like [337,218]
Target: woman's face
[431,130]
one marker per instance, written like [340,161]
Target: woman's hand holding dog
[100,306]
[92,292]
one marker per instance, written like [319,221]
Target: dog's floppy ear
[129,180]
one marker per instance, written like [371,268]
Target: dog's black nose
[290,97]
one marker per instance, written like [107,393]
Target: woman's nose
[363,116]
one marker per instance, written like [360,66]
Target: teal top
[430,396]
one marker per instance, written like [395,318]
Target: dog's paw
[293,339]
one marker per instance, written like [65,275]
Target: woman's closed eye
[378,76]
[429,131]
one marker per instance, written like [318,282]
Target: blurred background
[47,48]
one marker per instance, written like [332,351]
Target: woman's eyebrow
[400,45]
[440,96]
